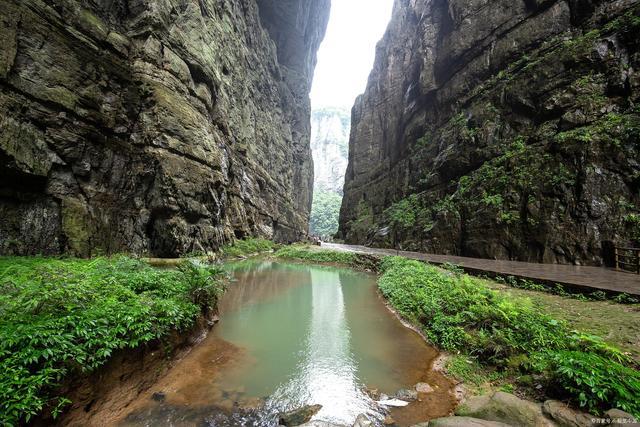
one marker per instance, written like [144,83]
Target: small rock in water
[408,395]
[424,388]
[373,393]
[383,397]
[393,402]
[388,420]
[159,396]
[363,421]
[298,416]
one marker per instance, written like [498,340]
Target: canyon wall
[160,127]
[500,129]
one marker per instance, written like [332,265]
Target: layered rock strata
[500,129]
[159,127]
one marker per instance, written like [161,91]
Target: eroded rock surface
[159,127]
[500,129]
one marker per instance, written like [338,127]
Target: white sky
[348,50]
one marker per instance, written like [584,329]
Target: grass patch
[469,371]
[459,313]
[615,322]
[60,317]
[248,247]
[319,255]
[560,290]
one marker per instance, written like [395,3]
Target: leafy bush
[324,213]
[459,313]
[248,247]
[62,316]
[595,381]
[302,253]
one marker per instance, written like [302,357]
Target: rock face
[157,127]
[499,129]
[330,145]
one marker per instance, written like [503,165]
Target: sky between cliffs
[348,50]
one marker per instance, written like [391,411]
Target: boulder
[298,416]
[505,408]
[565,416]
[462,422]
[619,418]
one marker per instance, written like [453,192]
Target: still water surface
[291,334]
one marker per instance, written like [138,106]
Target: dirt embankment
[101,398]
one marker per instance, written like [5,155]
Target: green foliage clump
[611,129]
[461,314]
[64,316]
[320,255]
[364,221]
[248,247]
[324,213]
[469,371]
[595,381]
[406,212]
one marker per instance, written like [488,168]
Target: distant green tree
[324,213]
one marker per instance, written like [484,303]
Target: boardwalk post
[616,258]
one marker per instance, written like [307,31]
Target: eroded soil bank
[101,399]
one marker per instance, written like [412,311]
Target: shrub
[297,252]
[595,381]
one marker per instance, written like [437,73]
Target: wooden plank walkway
[575,277]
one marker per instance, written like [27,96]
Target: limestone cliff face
[157,127]
[501,129]
[329,145]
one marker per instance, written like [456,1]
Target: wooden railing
[628,259]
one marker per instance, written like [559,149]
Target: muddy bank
[101,398]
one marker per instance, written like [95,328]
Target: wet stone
[159,396]
[298,416]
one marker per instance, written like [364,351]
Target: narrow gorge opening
[345,60]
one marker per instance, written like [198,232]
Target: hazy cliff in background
[329,145]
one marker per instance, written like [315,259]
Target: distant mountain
[330,147]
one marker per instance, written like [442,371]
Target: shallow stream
[290,335]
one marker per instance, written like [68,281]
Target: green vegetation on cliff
[60,317]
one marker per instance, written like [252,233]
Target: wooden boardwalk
[576,277]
